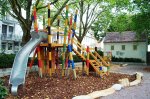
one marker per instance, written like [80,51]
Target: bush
[35,61]
[3,90]
[100,52]
[6,60]
[115,59]
[76,58]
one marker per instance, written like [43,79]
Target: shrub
[35,61]
[116,59]
[6,60]
[100,52]
[76,58]
[3,90]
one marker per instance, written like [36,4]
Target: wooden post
[83,64]
[57,50]
[96,51]
[87,60]
[49,42]
[71,43]
[38,48]
[65,40]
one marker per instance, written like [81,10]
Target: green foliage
[3,90]
[121,22]
[115,59]
[6,60]
[141,23]
[76,58]
[141,20]
[112,18]
[35,61]
[1,81]
[100,52]
[101,25]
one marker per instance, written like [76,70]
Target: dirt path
[142,91]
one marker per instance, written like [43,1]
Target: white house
[126,45]
[10,35]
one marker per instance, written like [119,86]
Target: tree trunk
[26,37]
[26,33]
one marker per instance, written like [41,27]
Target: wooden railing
[103,61]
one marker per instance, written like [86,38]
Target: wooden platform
[53,45]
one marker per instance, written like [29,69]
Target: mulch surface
[147,69]
[63,88]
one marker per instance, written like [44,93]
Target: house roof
[127,36]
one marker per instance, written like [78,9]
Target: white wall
[17,35]
[128,52]
[90,41]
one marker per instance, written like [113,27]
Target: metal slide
[19,68]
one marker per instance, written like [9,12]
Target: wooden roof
[127,36]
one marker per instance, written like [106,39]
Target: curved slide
[19,68]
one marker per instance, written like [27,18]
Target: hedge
[6,60]
[115,59]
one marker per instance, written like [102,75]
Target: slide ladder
[96,62]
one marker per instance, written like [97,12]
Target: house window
[134,47]
[123,47]
[4,29]
[11,28]
[3,46]
[117,53]
[112,47]
[10,46]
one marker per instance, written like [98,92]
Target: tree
[89,10]
[112,19]
[15,7]
[121,22]
[101,25]
[141,20]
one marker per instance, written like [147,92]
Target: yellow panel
[49,21]
[39,55]
[48,5]
[50,56]
[88,55]
[76,11]
[70,54]
[43,44]
[49,39]
[67,7]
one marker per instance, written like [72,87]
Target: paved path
[141,91]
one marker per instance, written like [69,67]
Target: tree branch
[72,3]
[59,11]
[87,13]
[18,5]
[92,12]
[37,2]
[41,7]
[81,15]
[19,16]
[52,3]
[28,11]
[95,19]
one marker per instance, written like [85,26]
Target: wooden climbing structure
[62,45]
